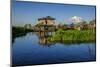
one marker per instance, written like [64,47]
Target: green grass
[73,36]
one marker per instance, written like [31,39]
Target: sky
[29,12]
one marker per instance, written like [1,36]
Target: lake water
[33,49]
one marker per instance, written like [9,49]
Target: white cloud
[76,19]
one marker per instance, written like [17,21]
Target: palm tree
[92,21]
[84,25]
[92,24]
[27,26]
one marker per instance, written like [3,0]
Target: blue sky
[29,12]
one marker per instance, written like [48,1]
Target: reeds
[74,36]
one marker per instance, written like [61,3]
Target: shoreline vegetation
[80,32]
[61,36]
[73,36]
[20,31]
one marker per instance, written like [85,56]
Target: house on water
[45,24]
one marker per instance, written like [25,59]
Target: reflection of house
[44,41]
[44,34]
[43,38]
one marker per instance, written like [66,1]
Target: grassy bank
[73,36]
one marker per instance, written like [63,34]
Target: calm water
[33,49]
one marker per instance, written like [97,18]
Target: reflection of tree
[17,32]
[14,36]
[91,50]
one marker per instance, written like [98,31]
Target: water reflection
[43,38]
[14,36]
[25,52]
[91,50]
[45,42]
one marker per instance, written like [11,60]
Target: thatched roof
[46,18]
